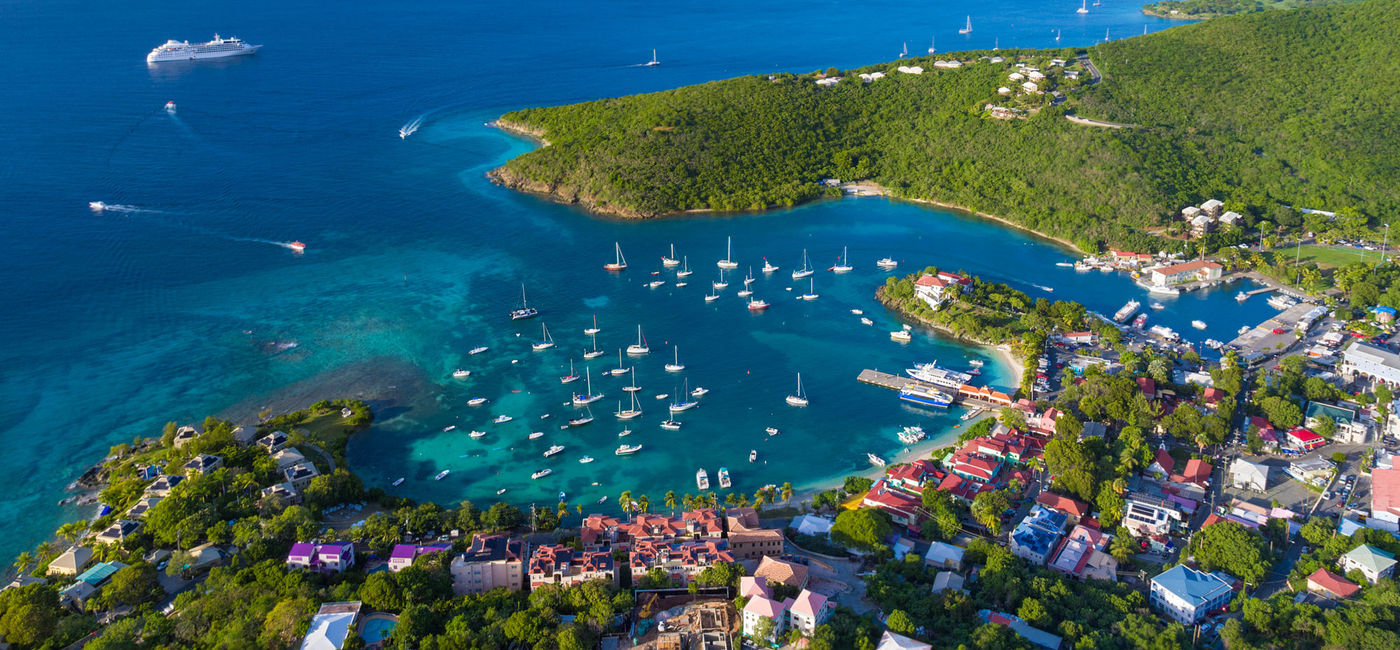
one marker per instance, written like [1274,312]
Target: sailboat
[746,292]
[524,310]
[720,284]
[586,418]
[669,261]
[1082,8]
[1057,36]
[685,268]
[653,61]
[800,399]
[640,347]
[806,269]
[904,52]
[587,397]
[621,263]
[968,29]
[931,42]
[593,330]
[728,261]
[681,404]
[676,366]
[811,291]
[1105,35]
[631,412]
[546,342]
[595,352]
[571,377]
[620,369]
[843,267]
[633,387]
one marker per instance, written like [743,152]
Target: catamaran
[768,267]
[620,369]
[669,261]
[640,347]
[799,399]
[724,478]
[593,330]
[631,411]
[620,263]
[685,268]
[676,366]
[524,310]
[571,377]
[806,269]
[968,28]
[587,397]
[702,479]
[811,290]
[595,352]
[546,342]
[843,267]
[728,261]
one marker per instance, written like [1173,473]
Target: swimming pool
[378,627]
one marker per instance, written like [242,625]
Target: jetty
[966,396]
[886,380]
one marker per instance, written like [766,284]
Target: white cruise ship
[931,373]
[218,48]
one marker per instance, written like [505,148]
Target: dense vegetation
[1188,9]
[1259,110]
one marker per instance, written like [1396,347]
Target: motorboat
[757,304]
[477,434]
[724,482]
[866,321]
[768,267]
[476,401]
[442,475]
[536,435]
[699,391]
[620,263]
[975,363]
[702,479]
[799,398]
[449,427]
[624,433]
[627,450]
[753,455]
[553,449]
[478,350]
[772,431]
[502,419]
[886,263]
[586,459]
[461,374]
[542,473]
[901,336]
[396,483]
[1198,324]
[1157,306]
[858,312]
[661,396]
[671,425]
[875,460]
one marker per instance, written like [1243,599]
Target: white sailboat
[587,397]
[811,290]
[844,266]
[653,62]
[1057,36]
[546,342]
[676,366]
[800,399]
[680,404]
[931,43]
[632,411]
[670,261]
[720,284]
[685,268]
[620,369]
[640,347]
[571,377]
[593,330]
[728,261]
[746,291]
[968,28]
[904,52]
[806,269]
[595,352]
[1082,8]
[620,263]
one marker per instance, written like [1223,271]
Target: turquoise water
[375,630]
[184,303]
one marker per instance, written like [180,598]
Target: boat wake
[295,247]
[100,206]
[1044,288]
[412,126]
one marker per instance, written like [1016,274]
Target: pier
[898,382]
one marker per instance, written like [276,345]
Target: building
[300,475]
[913,476]
[1162,463]
[756,543]
[118,531]
[331,626]
[760,608]
[1196,474]
[560,565]
[331,557]
[945,580]
[1084,554]
[1374,363]
[273,442]
[288,457]
[942,555]
[803,613]
[1249,476]
[750,586]
[184,436]
[287,492]
[1384,314]
[1304,440]
[1036,536]
[1325,583]
[1031,87]
[403,555]
[203,463]
[901,506]
[142,506]
[100,573]
[163,484]
[1037,637]
[1212,207]
[492,561]
[679,561]
[810,524]
[774,571]
[1231,219]
[1146,519]
[1385,499]
[1187,595]
[807,611]
[1311,470]
[1197,271]
[1074,508]
[70,562]
[933,290]
[1372,562]
[891,641]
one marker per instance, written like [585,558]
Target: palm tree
[624,501]
[22,562]
[759,498]
[579,509]
[563,510]
[46,550]
[643,503]
[688,502]
[731,500]
[671,500]
[73,530]
[787,492]
[1120,485]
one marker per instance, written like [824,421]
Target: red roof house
[1328,583]
[1059,502]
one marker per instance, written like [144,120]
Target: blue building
[1036,536]
[1187,595]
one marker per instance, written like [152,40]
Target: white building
[1372,562]
[807,611]
[1378,364]
[1249,476]
[1186,594]
[942,555]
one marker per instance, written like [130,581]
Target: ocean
[184,301]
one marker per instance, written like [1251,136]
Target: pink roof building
[1385,498]
[808,610]
[754,586]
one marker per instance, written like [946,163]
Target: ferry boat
[592,330]
[1157,306]
[396,483]
[800,398]
[640,347]
[753,455]
[702,479]
[461,374]
[478,350]
[619,263]
[671,425]
[806,269]
[476,401]
[442,475]
[524,311]
[1126,311]
[685,268]
[586,459]
[477,434]
[502,419]
[1140,321]
[588,396]
[1198,324]
[535,435]
[843,267]
[631,412]
[699,391]
[724,478]
[554,449]
[875,460]
[930,373]
[972,414]
[542,473]
[627,450]
[728,261]
[768,267]
[670,261]
[676,365]
[901,336]
[571,377]
[925,396]
[173,50]
[757,304]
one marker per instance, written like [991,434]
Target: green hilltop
[1262,110]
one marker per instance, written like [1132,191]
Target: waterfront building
[1372,362]
[1385,499]
[901,506]
[1128,258]
[774,570]
[273,442]
[1187,595]
[403,555]
[331,557]
[1197,271]
[300,475]
[142,506]
[680,561]
[492,561]
[552,564]
[331,626]
[1250,476]
[1084,554]
[184,436]
[1036,536]
[70,562]
[942,555]
[1373,563]
[1327,584]
[162,485]
[118,531]
[913,476]
[203,463]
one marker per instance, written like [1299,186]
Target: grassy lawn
[1330,256]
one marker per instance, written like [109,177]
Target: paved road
[1094,76]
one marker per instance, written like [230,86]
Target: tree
[1237,550]
[1031,611]
[134,585]
[29,614]
[763,628]
[1124,546]
[381,591]
[856,484]
[1067,460]
[865,528]
[1318,530]
[900,623]
[502,516]
[1325,427]
[670,500]
[721,574]
[987,508]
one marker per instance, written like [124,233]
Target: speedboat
[887,264]
[542,473]
[396,483]
[477,434]
[554,449]
[97,205]
[875,460]
[671,425]
[772,431]
[476,401]
[536,435]
[768,267]
[478,350]
[296,246]
[442,475]
[753,455]
[502,419]
[1157,305]
[901,336]
[699,391]
[461,374]
[626,450]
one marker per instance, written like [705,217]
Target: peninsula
[1212,115]
[1203,9]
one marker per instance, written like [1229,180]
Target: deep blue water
[118,321]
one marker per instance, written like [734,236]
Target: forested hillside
[1262,110]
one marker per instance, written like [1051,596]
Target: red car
[1279,330]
